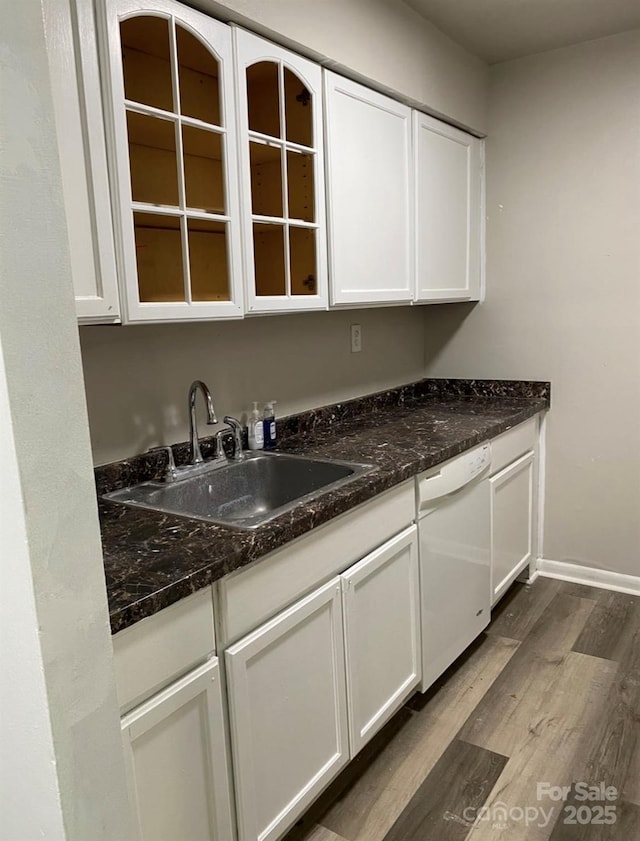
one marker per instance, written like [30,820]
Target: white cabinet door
[173,127]
[177,761]
[75,86]
[382,634]
[368,139]
[282,176]
[288,713]
[448,211]
[511,523]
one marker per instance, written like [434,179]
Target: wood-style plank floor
[549,694]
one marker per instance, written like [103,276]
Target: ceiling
[499,30]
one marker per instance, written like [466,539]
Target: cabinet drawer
[158,649]
[513,443]
[256,593]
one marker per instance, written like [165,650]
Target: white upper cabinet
[369,195]
[448,211]
[279,99]
[75,86]
[174,138]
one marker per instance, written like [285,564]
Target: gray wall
[381,40]
[563,284]
[137,378]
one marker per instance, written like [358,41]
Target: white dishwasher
[454,529]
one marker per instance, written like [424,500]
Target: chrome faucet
[194,443]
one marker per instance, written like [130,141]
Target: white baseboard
[603,578]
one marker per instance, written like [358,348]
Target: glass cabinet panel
[203,176]
[270,264]
[263,97]
[300,185]
[146,61]
[266,179]
[178,170]
[298,110]
[152,159]
[159,257]
[198,78]
[208,260]
[302,250]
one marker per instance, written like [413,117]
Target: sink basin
[244,494]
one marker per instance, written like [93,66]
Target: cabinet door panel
[174,130]
[177,762]
[75,86]
[282,176]
[288,713]
[448,211]
[511,523]
[382,634]
[368,180]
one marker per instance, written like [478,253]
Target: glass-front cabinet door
[282,177]
[171,81]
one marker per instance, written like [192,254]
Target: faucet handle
[171,470]
[236,428]
[220,453]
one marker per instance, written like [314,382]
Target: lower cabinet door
[288,713]
[511,523]
[177,761]
[382,634]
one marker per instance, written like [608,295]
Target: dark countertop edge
[304,523]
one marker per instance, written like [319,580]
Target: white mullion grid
[150,110]
[176,212]
[157,209]
[277,220]
[182,190]
[285,181]
[194,122]
[265,138]
[205,216]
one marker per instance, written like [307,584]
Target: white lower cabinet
[288,713]
[512,498]
[382,634]
[176,759]
[296,720]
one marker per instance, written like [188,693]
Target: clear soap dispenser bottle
[255,429]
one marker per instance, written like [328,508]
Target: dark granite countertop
[152,560]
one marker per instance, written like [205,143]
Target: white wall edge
[541,482]
[602,578]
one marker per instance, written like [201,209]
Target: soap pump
[255,429]
[269,425]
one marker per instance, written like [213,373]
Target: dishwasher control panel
[453,475]
[478,460]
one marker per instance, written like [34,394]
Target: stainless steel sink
[243,494]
